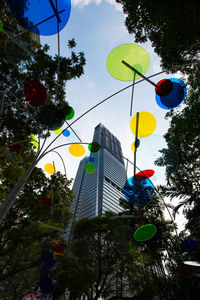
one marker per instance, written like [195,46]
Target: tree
[28,225]
[172,27]
[110,263]
[18,118]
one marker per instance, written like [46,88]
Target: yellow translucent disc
[133,146]
[57,130]
[76,150]
[134,55]
[146,124]
[50,169]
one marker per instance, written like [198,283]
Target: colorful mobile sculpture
[129,62]
[45,17]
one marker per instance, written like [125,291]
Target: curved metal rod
[45,153]
[171,217]
[101,102]
[62,161]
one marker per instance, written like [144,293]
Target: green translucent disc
[145,232]
[134,55]
[90,168]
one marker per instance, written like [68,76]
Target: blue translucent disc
[46,285]
[90,159]
[188,245]
[46,260]
[138,192]
[32,14]
[175,97]
[157,236]
[66,133]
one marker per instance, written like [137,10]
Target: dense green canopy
[173,27]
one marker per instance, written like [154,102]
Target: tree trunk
[10,200]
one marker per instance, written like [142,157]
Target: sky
[98,27]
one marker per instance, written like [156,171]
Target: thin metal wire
[73,131]
[136,71]
[62,161]
[101,102]
[136,137]
[58,63]
[131,108]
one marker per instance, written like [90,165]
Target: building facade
[100,191]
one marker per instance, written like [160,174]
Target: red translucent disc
[60,247]
[15,148]
[46,202]
[35,93]
[144,174]
[163,87]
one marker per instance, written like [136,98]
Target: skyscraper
[100,191]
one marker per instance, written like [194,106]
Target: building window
[112,183]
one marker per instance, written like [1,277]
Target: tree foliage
[173,27]
[29,225]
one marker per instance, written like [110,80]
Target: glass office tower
[95,193]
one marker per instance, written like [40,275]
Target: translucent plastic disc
[35,93]
[144,174]
[138,192]
[145,232]
[94,147]
[69,113]
[174,97]
[134,55]
[90,168]
[76,150]
[57,130]
[66,133]
[50,169]
[146,124]
[33,13]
